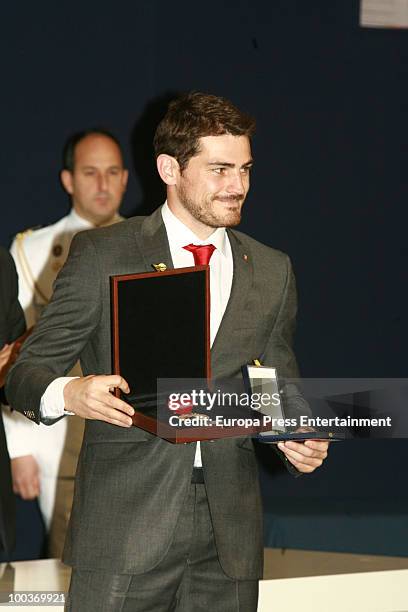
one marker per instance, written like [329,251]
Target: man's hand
[305,456]
[89,397]
[8,355]
[26,476]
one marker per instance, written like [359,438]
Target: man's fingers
[5,354]
[27,489]
[101,382]
[114,381]
[113,421]
[110,401]
[299,458]
[123,386]
[29,492]
[118,404]
[318,445]
[316,449]
[111,415]
[302,467]
[25,475]
[7,350]
[111,409]
[303,458]
[90,398]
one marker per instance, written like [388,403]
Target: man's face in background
[98,180]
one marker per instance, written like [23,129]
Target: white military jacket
[39,255]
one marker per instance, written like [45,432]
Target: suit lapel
[241,284]
[153,241]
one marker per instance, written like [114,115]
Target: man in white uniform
[95,178]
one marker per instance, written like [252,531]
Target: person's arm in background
[20,434]
[26,481]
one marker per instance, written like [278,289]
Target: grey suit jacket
[130,485]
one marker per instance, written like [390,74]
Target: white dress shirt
[221,272]
[221,263]
[221,269]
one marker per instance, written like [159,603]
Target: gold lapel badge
[160,267]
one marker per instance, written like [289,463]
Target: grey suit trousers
[189,577]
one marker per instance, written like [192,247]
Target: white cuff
[52,402]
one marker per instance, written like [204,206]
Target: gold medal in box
[262,383]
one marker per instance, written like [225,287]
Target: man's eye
[246,170]
[219,170]
[89,173]
[114,171]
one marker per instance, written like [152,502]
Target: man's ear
[168,169]
[66,180]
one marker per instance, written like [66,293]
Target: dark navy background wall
[328,185]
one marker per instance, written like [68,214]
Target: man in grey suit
[158,526]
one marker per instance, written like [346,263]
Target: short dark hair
[193,116]
[68,156]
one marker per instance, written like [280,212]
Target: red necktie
[202,253]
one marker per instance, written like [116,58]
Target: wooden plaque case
[161,330]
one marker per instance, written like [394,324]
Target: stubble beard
[205,214]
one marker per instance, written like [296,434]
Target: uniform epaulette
[25,265]
[27,232]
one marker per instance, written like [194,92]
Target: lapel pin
[160,267]
[245,257]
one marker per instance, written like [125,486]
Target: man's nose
[236,184]
[102,182]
